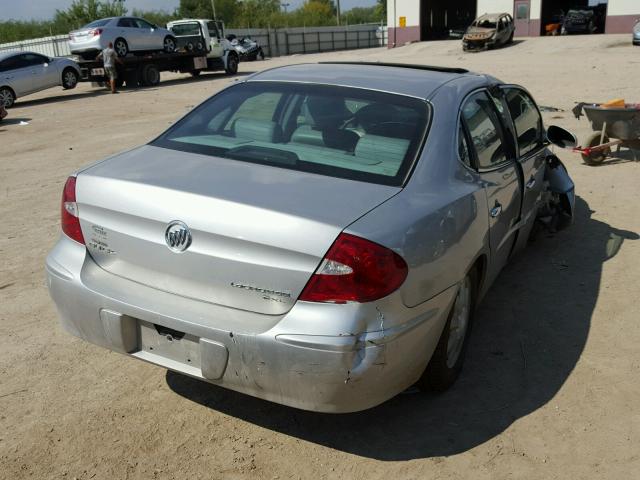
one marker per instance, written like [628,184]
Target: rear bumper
[85,46]
[285,359]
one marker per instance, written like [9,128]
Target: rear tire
[7,97]
[446,363]
[69,79]
[150,75]
[232,64]
[169,44]
[595,158]
[121,47]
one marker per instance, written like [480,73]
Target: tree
[82,12]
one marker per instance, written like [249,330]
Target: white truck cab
[200,35]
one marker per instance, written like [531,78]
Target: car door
[528,130]
[494,158]
[44,73]
[18,74]
[129,31]
[147,34]
[217,50]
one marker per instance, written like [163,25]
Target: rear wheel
[7,97]
[232,64]
[446,363]
[595,158]
[121,47]
[169,44]
[150,75]
[69,78]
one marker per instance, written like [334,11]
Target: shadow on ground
[529,334]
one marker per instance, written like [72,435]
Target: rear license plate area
[97,71]
[170,344]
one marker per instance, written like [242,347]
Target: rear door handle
[496,210]
[531,183]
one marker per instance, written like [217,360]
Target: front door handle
[531,183]
[496,210]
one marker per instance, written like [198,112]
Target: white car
[128,34]
[22,73]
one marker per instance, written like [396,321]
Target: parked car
[128,34]
[636,33]
[316,235]
[23,73]
[489,31]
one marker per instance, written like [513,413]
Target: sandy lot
[551,384]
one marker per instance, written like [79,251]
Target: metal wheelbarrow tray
[612,126]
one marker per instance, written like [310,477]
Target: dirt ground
[551,384]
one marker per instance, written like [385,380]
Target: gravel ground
[550,388]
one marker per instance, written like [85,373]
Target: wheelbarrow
[612,127]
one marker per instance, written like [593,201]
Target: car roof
[492,17]
[418,81]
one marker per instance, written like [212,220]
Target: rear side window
[98,23]
[526,119]
[337,131]
[482,122]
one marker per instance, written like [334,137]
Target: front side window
[337,131]
[483,124]
[32,59]
[142,23]
[213,30]
[11,63]
[526,119]
[464,152]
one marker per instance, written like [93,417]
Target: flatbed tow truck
[201,46]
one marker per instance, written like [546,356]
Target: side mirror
[561,137]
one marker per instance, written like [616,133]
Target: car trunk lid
[258,232]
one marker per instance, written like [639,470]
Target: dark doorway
[439,17]
[554,11]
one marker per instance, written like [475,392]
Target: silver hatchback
[315,235]
[128,34]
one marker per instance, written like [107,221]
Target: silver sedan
[22,73]
[316,235]
[128,34]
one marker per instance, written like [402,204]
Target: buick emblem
[178,236]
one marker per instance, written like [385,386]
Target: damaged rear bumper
[321,357]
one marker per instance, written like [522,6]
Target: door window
[522,11]
[32,59]
[142,24]
[12,63]
[484,128]
[464,152]
[213,30]
[526,119]
[127,23]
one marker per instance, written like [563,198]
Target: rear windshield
[186,29]
[97,23]
[337,131]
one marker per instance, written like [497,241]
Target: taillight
[355,270]
[95,32]
[69,212]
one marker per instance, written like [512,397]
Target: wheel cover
[459,322]
[169,45]
[6,98]
[70,79]
[121,48]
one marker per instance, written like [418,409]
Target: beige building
[415,20]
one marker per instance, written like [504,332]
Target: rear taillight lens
[95,32]
[69,212]
[355,270]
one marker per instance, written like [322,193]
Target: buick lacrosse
[315,235]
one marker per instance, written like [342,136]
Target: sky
[44,9]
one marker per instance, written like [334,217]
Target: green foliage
[235,14]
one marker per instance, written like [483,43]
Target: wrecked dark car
[582,20]
[489,31]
